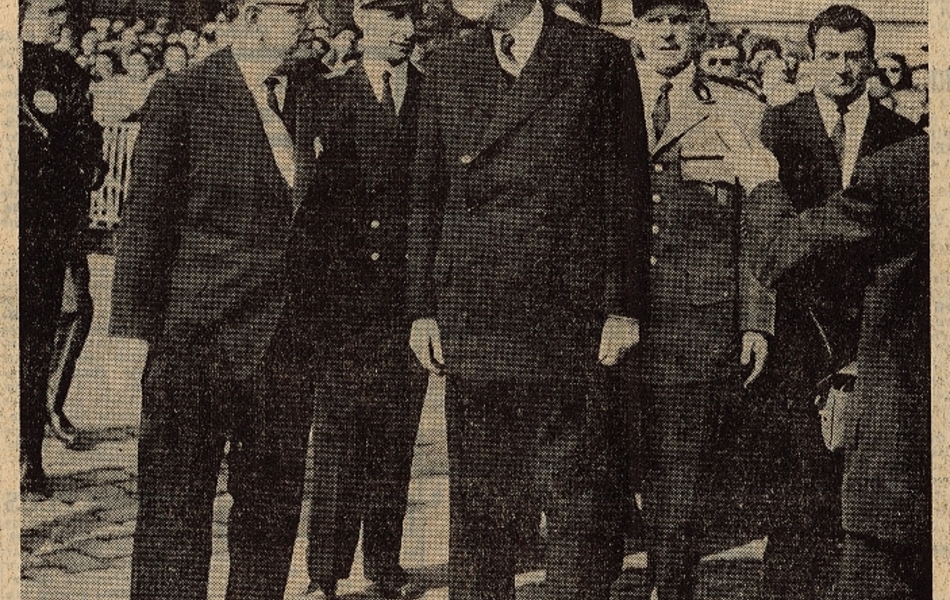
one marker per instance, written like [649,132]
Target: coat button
[658,167]
[374,224]
[374,256]
[657,198]
[652,260]
[465,159]
[656,229]
[726,294]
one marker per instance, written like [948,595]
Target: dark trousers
[369,395]
[191,405]
[42,259]
[507,439]
[71,333]
[873,569]
[804,521]
[689,428]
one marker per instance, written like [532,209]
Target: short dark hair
[764,44]
[843,18]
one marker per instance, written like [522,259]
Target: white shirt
[854,122]
[526,34]
[681,94]
[281,145]
[398,78]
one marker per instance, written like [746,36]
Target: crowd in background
[126,57]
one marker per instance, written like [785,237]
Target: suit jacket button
[652,260]
[655,229]
[657,167]
[374,224]
[374,256]
[466,159]
[657,198]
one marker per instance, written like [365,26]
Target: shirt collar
[255,72]
[650,82]
[858,110]
[526,34]
[375,68]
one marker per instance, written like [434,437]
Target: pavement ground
[77,544]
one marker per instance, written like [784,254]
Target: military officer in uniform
[369,391]
[60,162]
[708,318]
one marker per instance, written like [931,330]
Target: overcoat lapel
[541,79]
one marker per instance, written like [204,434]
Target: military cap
[640,7]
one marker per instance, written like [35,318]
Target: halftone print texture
[220,353]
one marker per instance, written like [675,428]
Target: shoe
[328,589]
[61,427]
[34,486]
[394,586]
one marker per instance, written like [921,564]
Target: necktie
[661,111]
[838,135]
[388,101]
[271,83]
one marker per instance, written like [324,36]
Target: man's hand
[619,335]
[754,348]
[426,343]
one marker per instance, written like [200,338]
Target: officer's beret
[640,7]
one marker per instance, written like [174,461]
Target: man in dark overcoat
[207,273]
[528,184]
[60,162]
[370,390]
[884,216]
[817,139]
[713,185]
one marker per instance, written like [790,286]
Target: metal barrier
[106,202]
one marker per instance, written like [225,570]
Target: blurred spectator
[175,58]
[119,98]
[67,42]
[189,39]
[724,62]
[118,26]
[101,25]
[163,26]
[139,26]
[104,68]
[895,69]
[762,51]
[778,81]
[914,101]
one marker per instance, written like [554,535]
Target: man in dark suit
[708,317]
[817,140]
[60,162]
[523,284]
[204,273]
[886,509]
[369,391]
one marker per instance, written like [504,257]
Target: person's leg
[804,524]
[42,268]
[266,471]
[76,339]
[180,449]
[339,434]
[491,438]
[587,498]
[393,407]
[681,421]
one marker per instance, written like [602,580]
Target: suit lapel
[235,98]
[540,79]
